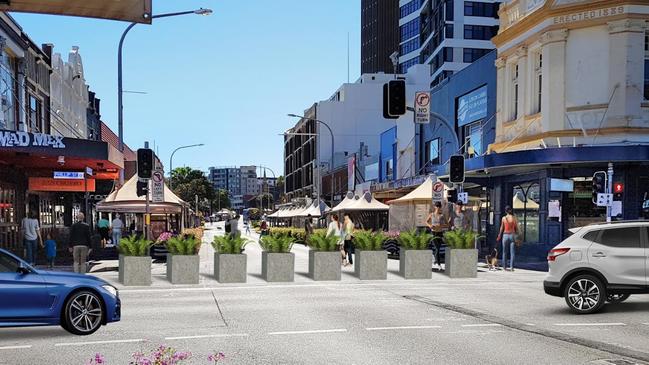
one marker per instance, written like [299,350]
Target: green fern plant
[320,241]
[183,246]
[277,243]
[461,239]
[133,246]
[413,240]
[369,241]
[229,245]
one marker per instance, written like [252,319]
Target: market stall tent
[411,210]
[350,199]
[125,200]
[367,203]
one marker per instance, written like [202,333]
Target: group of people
[110,231]
[344,231]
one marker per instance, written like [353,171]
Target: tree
[188,183]
[222,200]
[280,188]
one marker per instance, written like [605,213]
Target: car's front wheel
[83,313]
[617,298]
[585,294]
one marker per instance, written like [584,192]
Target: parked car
[78,303]
[600,263]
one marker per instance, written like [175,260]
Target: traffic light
[451,195]
[599,184]
[394,99]
[386,115]
[456,169]
[144,163]
[142,187]
[618,190]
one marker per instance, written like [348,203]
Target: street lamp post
[267,188]
[171,159]
[120,91]
[331,167]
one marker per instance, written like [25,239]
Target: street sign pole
[147,215]
[609,190]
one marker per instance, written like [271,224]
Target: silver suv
[600,263]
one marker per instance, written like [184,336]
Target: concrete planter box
[230,268]
[462,263]
[183,269]
[278,266]
[416,264]
[324,265]
[371,265]
[135,270]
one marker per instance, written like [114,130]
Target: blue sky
[227,80]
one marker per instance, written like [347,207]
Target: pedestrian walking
[459,219]
[435,224]
[348,226]
[335,229]
[508,233]
[247,225]
[263,228]
[308,228]
[80,244]
[116,229]
[103,226]
[31,237]
[50,250]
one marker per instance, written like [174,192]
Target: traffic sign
[463,197]
[157,189]
[422,107]
[438,192]
[604,200]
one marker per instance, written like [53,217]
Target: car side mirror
[22,270]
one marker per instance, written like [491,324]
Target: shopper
[308,228]
[50,250]
[348,227]
[116,229]
[80,244]
[31,237]
[103,226]
[459,218]
[508,232]
[435,224]
[335,229]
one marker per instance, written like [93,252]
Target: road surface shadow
[349,274]
[256,275]
[626,307]
[303,274]
[33,333]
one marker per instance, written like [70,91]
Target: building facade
[379,35]
[69,99]
[446,35]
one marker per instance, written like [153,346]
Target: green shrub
[132,246]
[413,240]
[183,246]
[369,241]
[322,242]
[460,239]
[277,243]
[229,245]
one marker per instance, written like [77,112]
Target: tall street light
[331,167]
[171,159]
[120,91]
[267,187]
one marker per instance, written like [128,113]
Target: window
[480,32]
[515,93]
[409,46]
[539,81]
[448,54]
[409,63]
[7,92]
[526,202]
[628,237]
[474,8]
[473,137]
[448,30]
[8,263]
[432,153]
[410,29]
[409,8]
[35,114]
[389,169]
[449,10]
[591,236]
[472,54]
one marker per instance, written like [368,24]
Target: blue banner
[472,106]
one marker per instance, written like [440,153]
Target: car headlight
[111,289]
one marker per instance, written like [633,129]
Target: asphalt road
[498,318]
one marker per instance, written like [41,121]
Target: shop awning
[125,200]
[367,203]
[350,198]
[422,193]
[138,11]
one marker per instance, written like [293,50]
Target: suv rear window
[621,237]
[591,236]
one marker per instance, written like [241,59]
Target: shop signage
[589,14]
[158,186]
[472,106]
[66,185]
[25,139]
[422,107]
[106,175]
[398,184]
[68,175]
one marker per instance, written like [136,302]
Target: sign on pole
[158,184]
[438,192]
[422,107]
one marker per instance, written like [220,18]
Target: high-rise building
[226,178]
[448,35]
[379,34]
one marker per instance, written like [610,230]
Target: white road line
[589,324]
[646,324]
[306,332]
[16,347]
[482,325]
[97,342]
[208,336]
[400,328]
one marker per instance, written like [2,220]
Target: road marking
[530,324]
[482,325]
[97,342]
[646,324]
[306,332]
[16,347]
[208,336]
[400,328]
[589,324]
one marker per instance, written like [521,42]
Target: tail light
[554,253]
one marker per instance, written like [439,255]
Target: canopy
[138,11]
[350,199]
[367,203]
[317,209]
[423,193]
[125,200]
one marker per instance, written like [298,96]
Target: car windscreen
[8,263]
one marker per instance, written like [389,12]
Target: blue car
[29,297]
